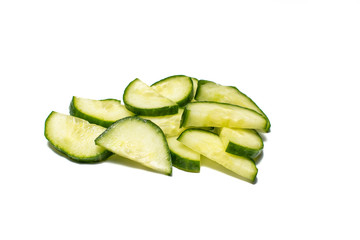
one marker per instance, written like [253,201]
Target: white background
[298,60]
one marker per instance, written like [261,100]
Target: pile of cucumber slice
[173,122]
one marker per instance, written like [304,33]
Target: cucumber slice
[242,142]
[210,91]
[214,114]
[141,99]
[195,85]
[139,140]
[183,157]
[75,138]
[209,144]
[178,88]
[169,124]
[100,112]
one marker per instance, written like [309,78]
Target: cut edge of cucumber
[158,111]
[187,98]
[203,82]
[98,158]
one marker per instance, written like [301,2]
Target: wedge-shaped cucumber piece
[242,142]
[214,114]
[75,138]
[100,112]
[183,157]
[169,124]
[139,140]
[210,91]
[178,88]
[141,99]
[209,144]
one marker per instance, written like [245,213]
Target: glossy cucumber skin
[189,97]
[76,113]
[185,164]
[91,160]
[242,151]
[94,159]
[168,110]
[203,82]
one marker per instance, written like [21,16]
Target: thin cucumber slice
[214,114]
[139,140]
[75,138]
[242,142]
[169,124]
[178,88]
[100,112]
[210,91]
[209,144]
[183,157]
[195,85]
[141,99]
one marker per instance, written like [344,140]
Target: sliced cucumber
[100,112]
[195,85]
[210,91]
[169,124]
[141,99]
[178,88]
[139,140]
[183,157]
[214,114]
[242,142]
[75,138]
[209,144]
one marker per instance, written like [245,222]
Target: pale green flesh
[210,146]
[207,114]
[243,137]
[169,124]
[211,91]
[182,150]
[106,110]
[140,95]
[73,135]
[138,141]
[176,88]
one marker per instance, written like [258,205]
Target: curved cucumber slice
[242,142]
[183,157]
[169,124]
[178,88]
[214,114]
[139,140]
[100,112]
[209,144]
[141,99]
[75,138]
[210,91]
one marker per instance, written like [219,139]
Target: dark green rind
[243,151]
[185,164]
[194,129]
[168,110]
[156,128]
[202,82]
[77,113]
[94,159]
[184,117]
[186,112]
[185,100]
